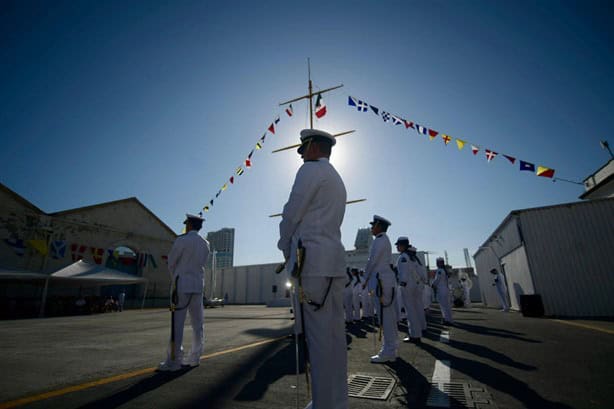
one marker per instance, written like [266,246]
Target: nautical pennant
[272,128]
[232,180]
[39,245]
[289,110]
[97,254]
[362,106]
[77,251]
[545,172]
[240,171]
[490,155]
[17,244]
[527,166]
[510,158]
[58,249]
[320,107]
[225,187]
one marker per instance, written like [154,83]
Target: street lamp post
[213,262]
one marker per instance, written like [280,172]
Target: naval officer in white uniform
[186,263]
[499,284]
[312,217]
[381,279]
[411,284]
[441,286]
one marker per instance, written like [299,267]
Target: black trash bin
[531,305]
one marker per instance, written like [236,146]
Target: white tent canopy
[8,274]
[79,274]
[85,273]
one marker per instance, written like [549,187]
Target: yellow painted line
[116,378]
[588,326]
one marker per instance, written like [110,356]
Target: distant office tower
[364,238]
[222,242]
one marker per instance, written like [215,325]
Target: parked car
[213,302]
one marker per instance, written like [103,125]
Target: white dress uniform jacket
[187,261]
[379,264]
[314,214]
[409,275]
[443,293]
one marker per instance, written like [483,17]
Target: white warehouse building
[563,253]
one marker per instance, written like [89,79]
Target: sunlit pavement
[501,359]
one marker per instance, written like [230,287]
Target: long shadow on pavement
[495,379]
[495,332]
[485,352]
[278,365]
[143,386]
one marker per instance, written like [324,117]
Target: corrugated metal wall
[518,276]
[504,241]
[570,250]
[250,284]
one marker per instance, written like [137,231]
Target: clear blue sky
[163,100]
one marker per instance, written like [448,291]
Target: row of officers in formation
[387,290]
[310,240]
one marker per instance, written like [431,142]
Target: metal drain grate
[370,387]
[458,395]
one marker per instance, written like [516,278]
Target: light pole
[213,262]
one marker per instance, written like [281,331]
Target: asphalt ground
[499,360]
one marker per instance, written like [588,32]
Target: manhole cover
[370,387]
[458,395]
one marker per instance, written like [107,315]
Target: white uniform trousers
[467,297]
[326,343]
[427,297]
[192,303]
[443,298]
[348,299]
[412,300]
[368,307]
[503,298]
[356,291]
[400,301]
[390,344]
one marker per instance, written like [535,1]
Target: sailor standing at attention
[440,284]
[186,263]
[410,282]
[499,284]
[381,278]
[311,220]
